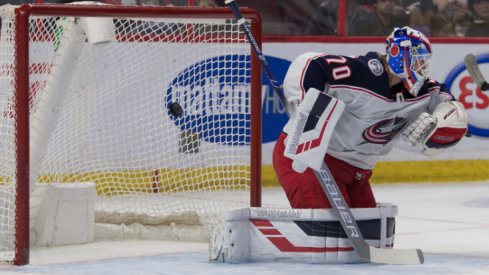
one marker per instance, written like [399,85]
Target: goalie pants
[304,190]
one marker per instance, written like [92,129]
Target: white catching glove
[434,133]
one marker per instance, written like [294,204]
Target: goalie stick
[329,186]
[475,72]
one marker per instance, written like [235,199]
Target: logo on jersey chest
[383,131]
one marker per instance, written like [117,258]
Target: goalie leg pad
[298,235]
[314,122]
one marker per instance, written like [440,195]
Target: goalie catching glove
[443,129]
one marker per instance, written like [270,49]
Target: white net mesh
[100,113]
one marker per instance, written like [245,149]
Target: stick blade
[475,73]
[396,256]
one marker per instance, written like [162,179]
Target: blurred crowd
[445,18]
[442,18]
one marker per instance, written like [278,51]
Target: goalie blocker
[311,130]
[298,235]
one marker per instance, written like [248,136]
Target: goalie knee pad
[298,235]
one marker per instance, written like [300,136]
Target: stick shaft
[475,72]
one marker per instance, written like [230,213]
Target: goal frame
[21,102]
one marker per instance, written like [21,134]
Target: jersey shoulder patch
[375,67]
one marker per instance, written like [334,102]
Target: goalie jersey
[374,114]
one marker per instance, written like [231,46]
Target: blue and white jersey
[375,113]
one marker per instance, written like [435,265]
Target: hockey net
[96,84]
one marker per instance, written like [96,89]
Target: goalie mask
[408,57]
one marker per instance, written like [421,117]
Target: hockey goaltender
[347,112]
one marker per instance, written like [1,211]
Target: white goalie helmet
[408,54]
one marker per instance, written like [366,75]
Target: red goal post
[216,143]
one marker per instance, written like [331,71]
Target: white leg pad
[298,235]
[65,214]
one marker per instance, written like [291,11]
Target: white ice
[449,222]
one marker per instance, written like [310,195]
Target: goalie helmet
[408,54]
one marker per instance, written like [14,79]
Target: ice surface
[449,222]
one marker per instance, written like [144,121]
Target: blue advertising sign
[214,96]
